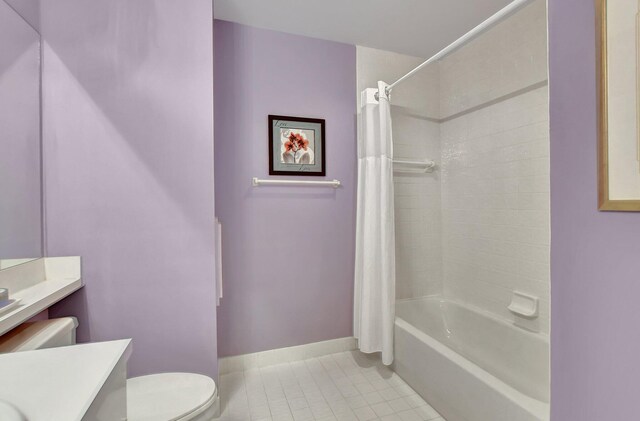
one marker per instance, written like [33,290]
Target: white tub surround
[494,137]
[80,382]
[475,230]
[470,365]
[37,285]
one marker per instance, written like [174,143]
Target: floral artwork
[296,146]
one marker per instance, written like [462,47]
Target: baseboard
[282,355]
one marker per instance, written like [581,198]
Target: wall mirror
[619,77]
[20,140]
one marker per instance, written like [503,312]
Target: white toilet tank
[39,335]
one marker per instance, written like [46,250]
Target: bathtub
[471,366]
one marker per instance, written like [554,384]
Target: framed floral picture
[296,146]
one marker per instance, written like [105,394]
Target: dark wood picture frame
[318,140]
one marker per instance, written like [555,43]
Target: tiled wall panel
[495,167]
[477,228]
[503,60]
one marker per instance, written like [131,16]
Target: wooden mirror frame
[605,203]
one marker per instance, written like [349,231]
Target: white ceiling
[416,27]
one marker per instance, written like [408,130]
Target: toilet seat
[171,397]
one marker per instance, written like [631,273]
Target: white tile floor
[345,386]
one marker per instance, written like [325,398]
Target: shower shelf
[402,165]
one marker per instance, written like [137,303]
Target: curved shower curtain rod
[494,19]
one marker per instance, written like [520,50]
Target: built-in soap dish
[524,305]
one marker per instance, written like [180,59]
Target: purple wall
[128,136]
[595,256]
[29,10]
[288,252]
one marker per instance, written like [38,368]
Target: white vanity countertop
[38,285]
[59,383]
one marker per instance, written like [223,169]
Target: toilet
[171,396]
[156,397]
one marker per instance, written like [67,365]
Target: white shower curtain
[375,271]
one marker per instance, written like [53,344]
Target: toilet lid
[168,396]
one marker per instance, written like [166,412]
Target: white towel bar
[256,182]
[426,166]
